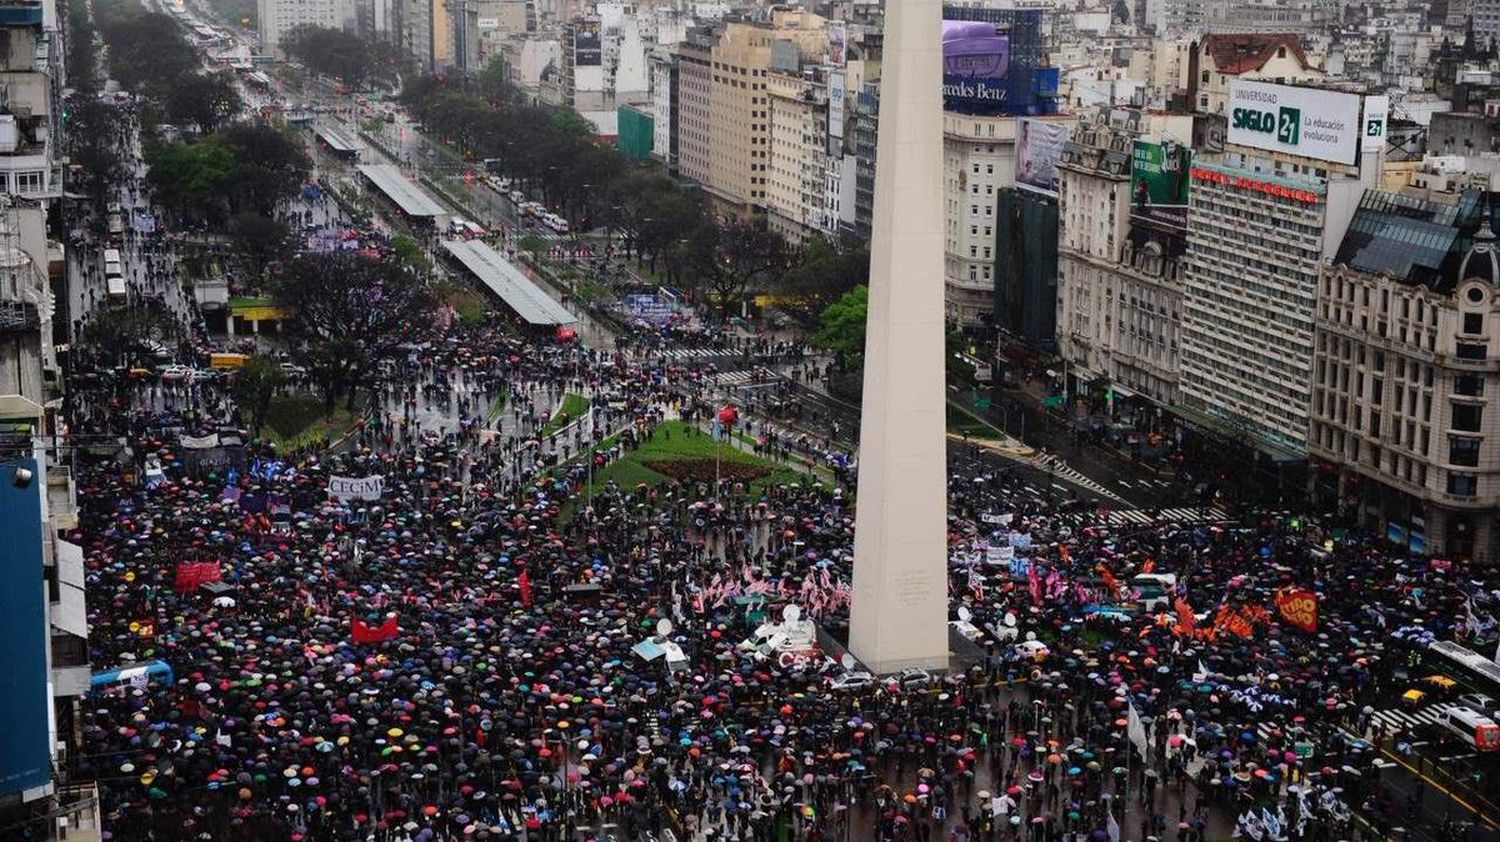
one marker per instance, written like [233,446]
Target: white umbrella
[224,601]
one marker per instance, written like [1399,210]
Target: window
[1471,350]
[1463,451]
[1468,385]
[1463,485]
[1473,323]
[1467,417]
[29,182]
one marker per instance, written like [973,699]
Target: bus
[1465,664]
[114,276]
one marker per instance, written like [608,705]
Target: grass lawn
[960,420]
[573,406]
[674,441]
[294,421]
[466,301]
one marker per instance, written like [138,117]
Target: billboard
[836,96]
[1377,115]
[586,49]
[25,761]
[1159,182]
[1039,145]
[1298,121]
[838,43]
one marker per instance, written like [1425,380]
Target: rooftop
[412,200]
[1419,241]
[502,278]
[1242,53]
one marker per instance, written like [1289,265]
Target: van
[1474,728]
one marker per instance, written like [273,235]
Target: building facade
[979,160]
[1406,365]
[693,94]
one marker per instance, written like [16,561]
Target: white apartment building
[979,159]
[278,17]
[803,189]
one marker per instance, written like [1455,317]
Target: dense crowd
[510,697]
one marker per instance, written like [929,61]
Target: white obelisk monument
[899,614]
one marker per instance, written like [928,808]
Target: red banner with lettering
[523,581]
[1299,606]
[191,574]
[365,633]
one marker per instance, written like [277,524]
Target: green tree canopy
[253,386]
[203,100]
[192,178]
[841,328]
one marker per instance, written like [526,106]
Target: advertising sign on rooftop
[1159,182]
[1298,121]
[979,76]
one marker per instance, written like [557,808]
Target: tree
[841,328]
[333,52]
[351,308]
[204,100]
[192,178]
[408,253]
[826,269]
[728,256]
[270,166]
[254,384]
[125,334]
[259,240]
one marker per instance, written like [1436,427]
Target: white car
[911,677]
[202,375]
[1481,703]
[1032,649]
[293,370]
[850,681]
[175,372]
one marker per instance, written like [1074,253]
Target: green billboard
[1159,182]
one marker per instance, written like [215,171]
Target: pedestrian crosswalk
[1185,515]
[744,377]
[693,353]
[1396,720]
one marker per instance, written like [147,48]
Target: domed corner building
[1404,427]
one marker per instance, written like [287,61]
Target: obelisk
[899,614]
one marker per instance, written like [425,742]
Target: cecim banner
[1299,606]
[344,489]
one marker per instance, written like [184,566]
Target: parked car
[175,372]
[856,680]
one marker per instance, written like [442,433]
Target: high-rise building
[1403,436]
[1025,287]
[1263,217]
[1302,17]
[692,95]
[278,17]
[979,160]
[740,108]
[664,107]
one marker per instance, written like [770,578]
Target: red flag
[364,633]
[1148,566]
[524,581]
[1035,580]
[1299,606]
